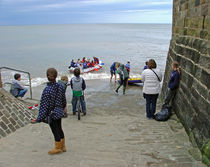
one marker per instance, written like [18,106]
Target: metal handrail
[25,72]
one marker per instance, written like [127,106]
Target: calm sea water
[36,48]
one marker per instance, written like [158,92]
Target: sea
[36,48]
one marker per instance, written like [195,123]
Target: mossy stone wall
[191,48]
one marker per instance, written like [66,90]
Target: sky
[30,12]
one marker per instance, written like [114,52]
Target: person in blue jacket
[173,84]
[113,69]
[53,101]
[146,65]
[72,64]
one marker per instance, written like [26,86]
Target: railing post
[0,80]
[30,84]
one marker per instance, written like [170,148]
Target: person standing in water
[113,69]
[123,73]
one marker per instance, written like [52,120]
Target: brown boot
[63,146]
[57,148]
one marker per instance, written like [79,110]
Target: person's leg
[74,104]
[63,146]
[121,83]
[154,102]
[169,97]
[83,104]
[55,130]
[111,76]
[22,92]
[54,125]
[124,84]
[147,97]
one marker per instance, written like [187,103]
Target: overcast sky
[26,12]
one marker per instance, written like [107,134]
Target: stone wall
[190,47]
[13,113]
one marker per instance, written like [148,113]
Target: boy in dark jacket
[78,86]
[173,84]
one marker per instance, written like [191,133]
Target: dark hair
[76,72]
[128,62]
[146,62]
[175,64]
[16,76]
[52,74]
[152,64]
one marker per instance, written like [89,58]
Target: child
[53,101]
[78,86]
[63,82]
[17,89]
[173,84]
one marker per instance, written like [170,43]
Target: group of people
[53,99]
[123,71]
[151,77]
[84,64]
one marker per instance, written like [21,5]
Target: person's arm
[18,85]
[83,84]
[143,76]
[44,106]
[71,84]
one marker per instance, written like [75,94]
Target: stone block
[197,3]
[11,127]
[194,22]
[1,106]
[6,113]
[204,34]
[3,125]
[12,121]
[205,78]
[207,23]
[14,116]
[8,131]
[204,10]
[20,123]
[8,109]
[201,89]
[200,45]
[2,133]
[204,61]
[5,120]
[17,126]
[21,118]
[194,32]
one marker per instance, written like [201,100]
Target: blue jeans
[22,92]
[74,104]
[151,101]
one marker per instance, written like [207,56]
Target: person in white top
[151,89]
